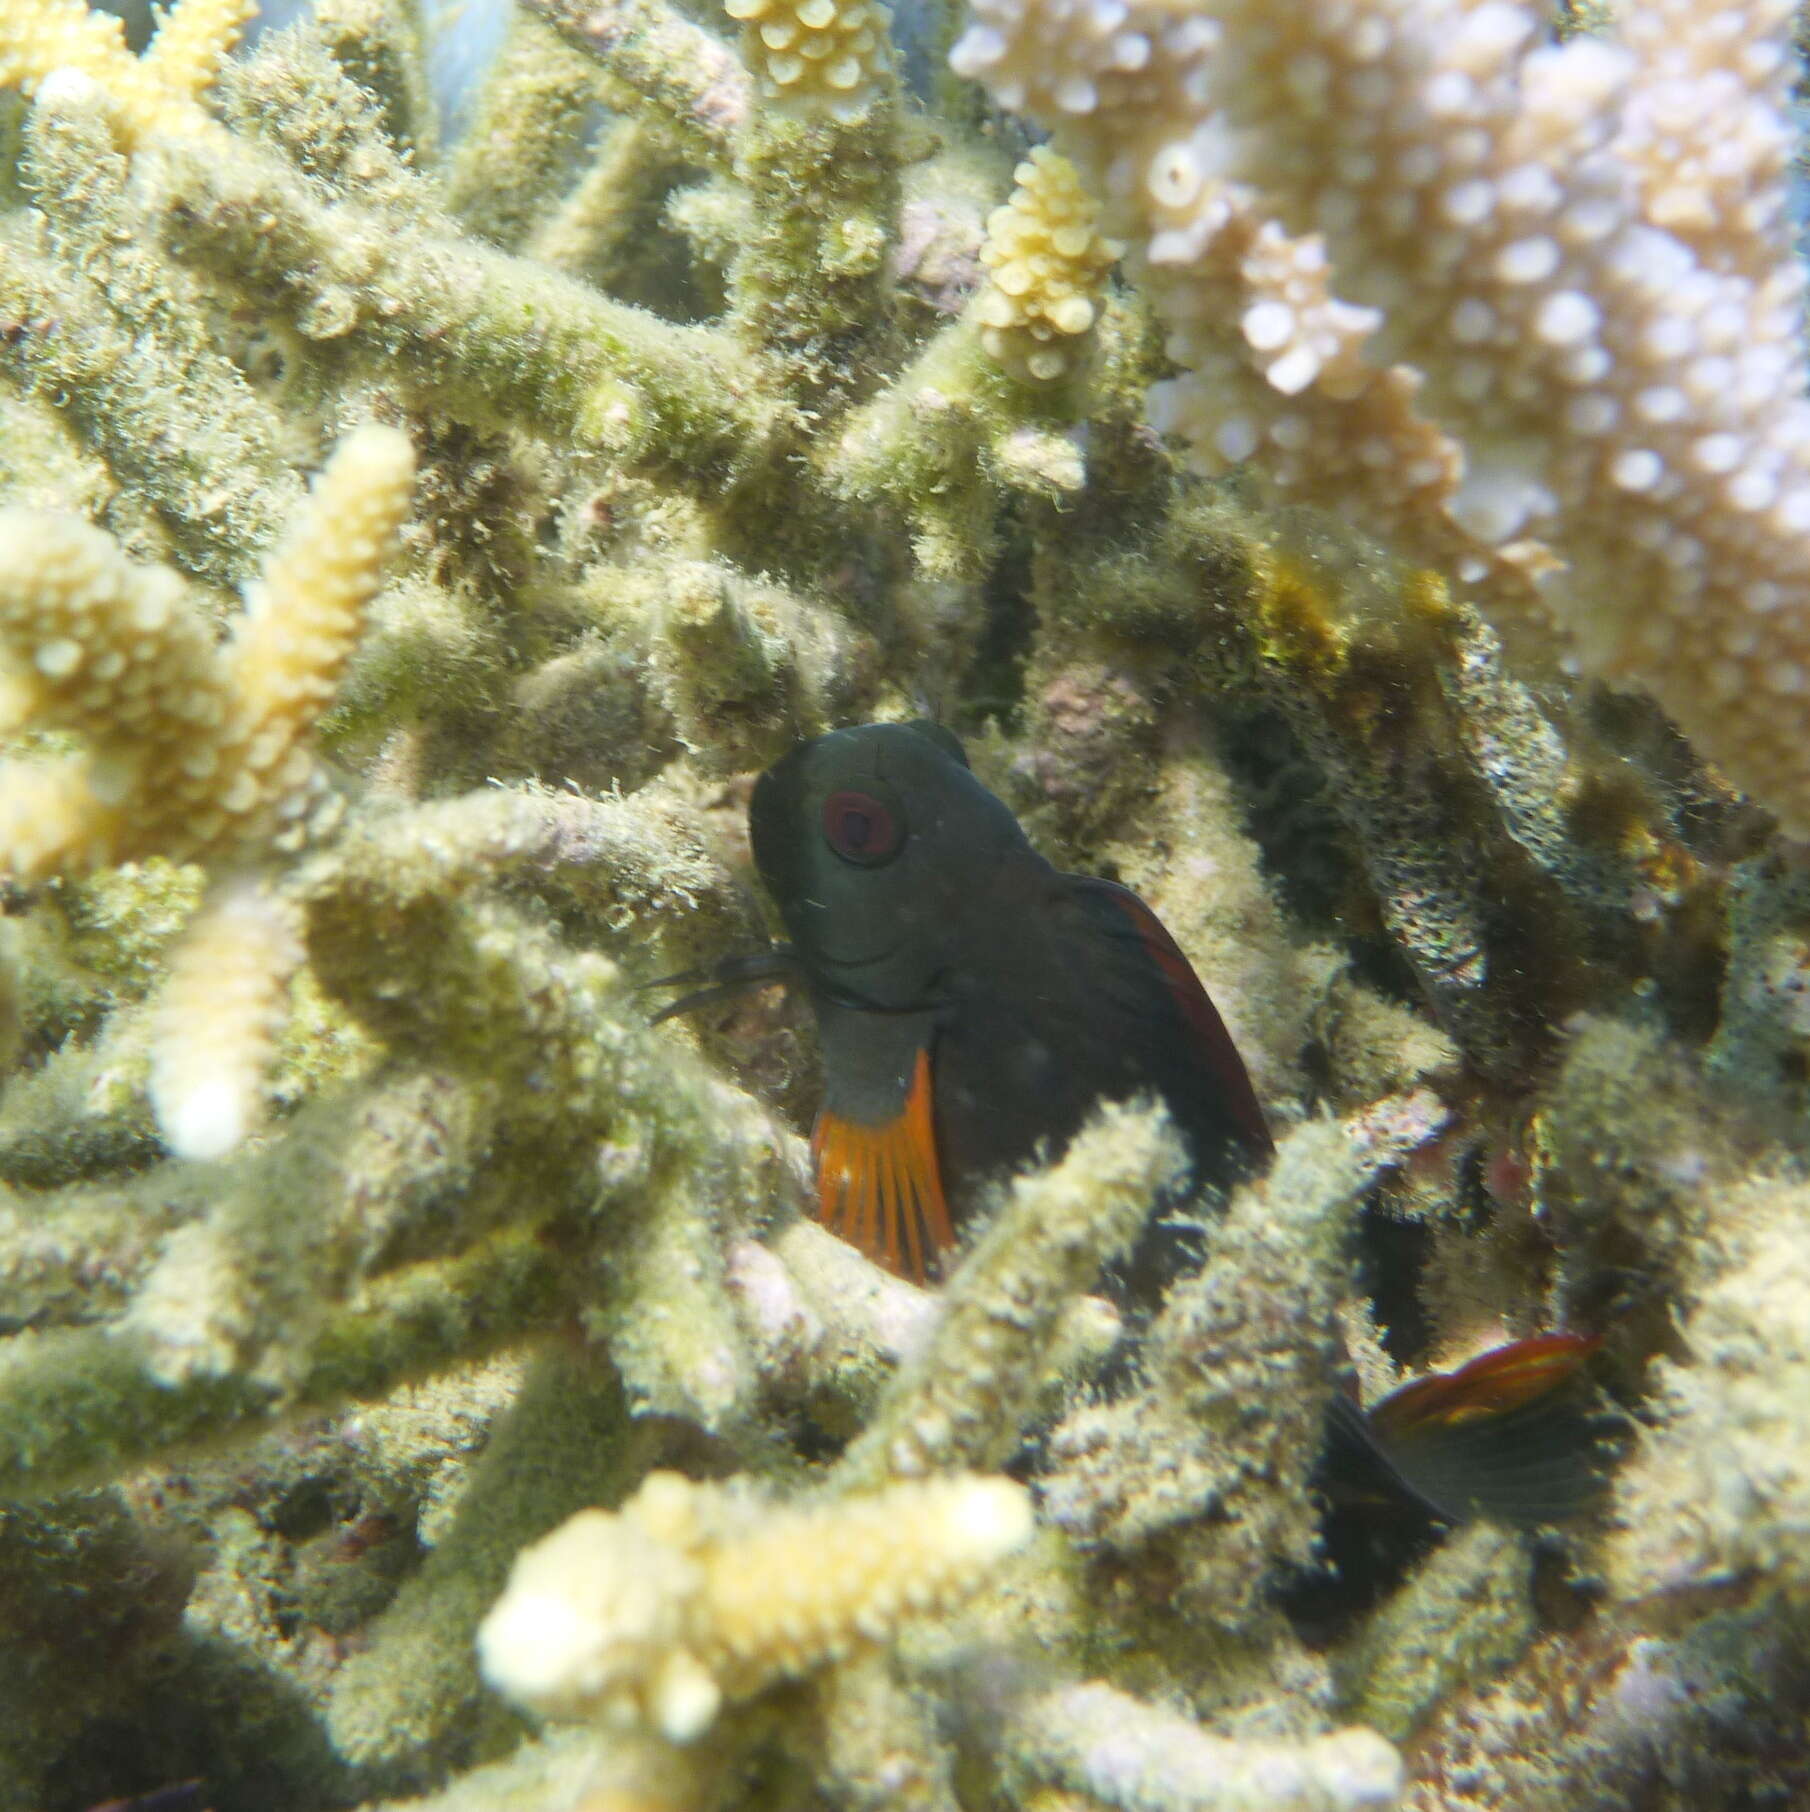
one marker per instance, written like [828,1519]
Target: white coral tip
[206,1118]
[534,1645]
[684,1698]
[66,87]
[992,1517]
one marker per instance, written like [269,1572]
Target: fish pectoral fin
[880,1187]
[727,976]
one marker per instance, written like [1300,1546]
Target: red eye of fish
[860,829]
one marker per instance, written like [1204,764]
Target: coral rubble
[418,523]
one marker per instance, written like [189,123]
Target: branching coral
[1046,264]
[1571,328]
[360,1235]
[221,1011]
[198,754]
[810,55]
[1119,1753]
[1234,1403]
[689,1594]
[157,92]
[963,1398]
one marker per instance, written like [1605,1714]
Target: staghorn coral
[1046,264]
[156,92]
[359,1236]
[816,55]
[961,1399]
[1515,301]
[1231,1399]
[199,754]
[1690,1520]
[690,1594]
[220,1013]
[1119,1753]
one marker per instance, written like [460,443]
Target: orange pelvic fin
[880,1188]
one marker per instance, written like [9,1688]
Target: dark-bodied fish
[975,1004]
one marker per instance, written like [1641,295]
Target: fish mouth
[833,959]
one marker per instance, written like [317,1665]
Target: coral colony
[1343,466]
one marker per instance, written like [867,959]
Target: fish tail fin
[1513,1437]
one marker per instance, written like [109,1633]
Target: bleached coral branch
[1572,333]
[1046,263]
[830,57]
[157,92]
[218,1018]
[693,1593]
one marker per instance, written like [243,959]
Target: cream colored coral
[157,92]
[218,1017]
[693,1593]
[1718,1486]
[827,56]
[1047,267]
[195,753]
[1532,308]
[194,39]
[1092,1739]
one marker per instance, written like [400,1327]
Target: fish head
[879,847]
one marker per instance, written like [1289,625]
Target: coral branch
[151,94]
[195,754]
[1597,321]
[694,1593]
[688,78]
[218,1016]
[1046,269]
[120,334]
[490,337]
[1094,1740]
[962,1399]
[1237,1393]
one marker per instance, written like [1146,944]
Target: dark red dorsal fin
[1197,1010]
[880,1187]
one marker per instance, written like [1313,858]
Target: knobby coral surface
[416,530]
